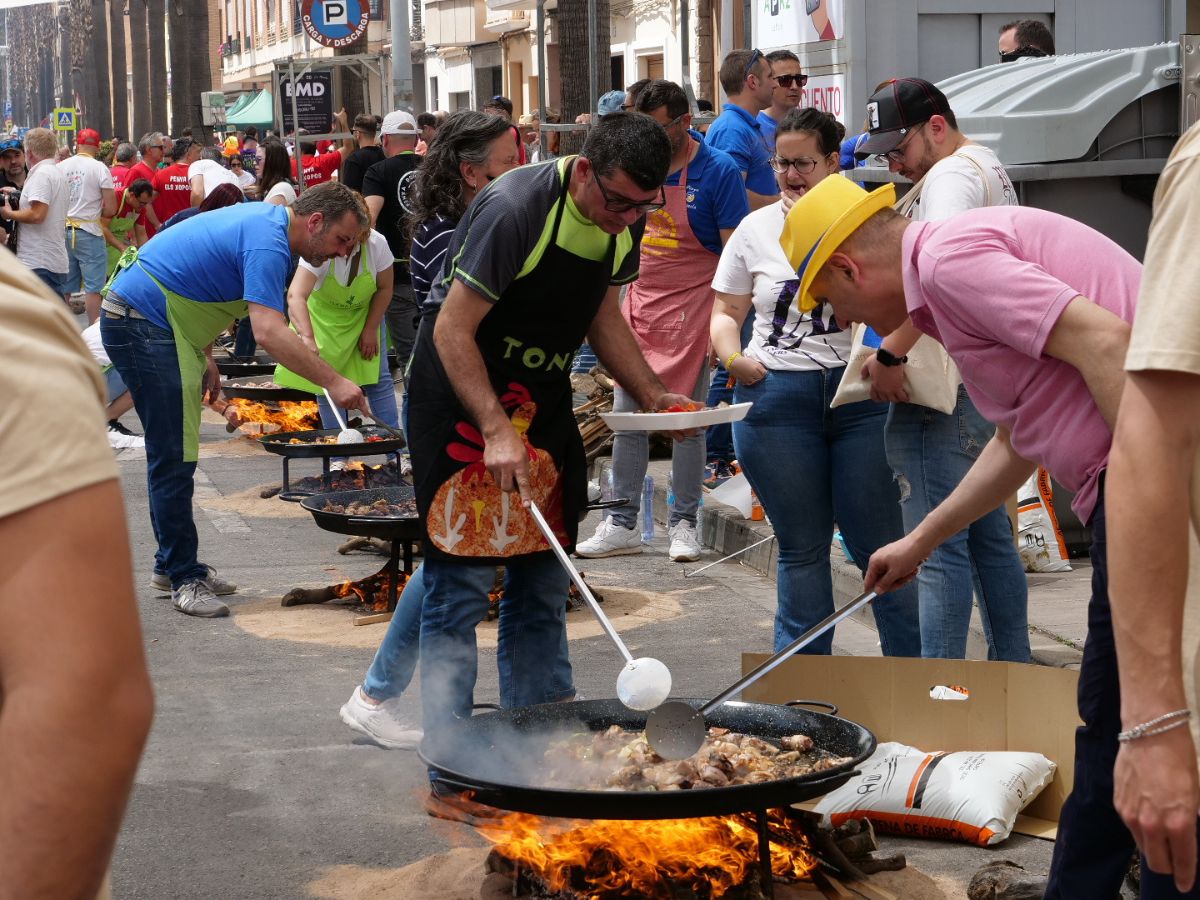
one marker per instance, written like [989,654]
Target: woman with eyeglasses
[809,465]
[238,167]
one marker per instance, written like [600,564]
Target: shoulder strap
[982,175]
[905,204]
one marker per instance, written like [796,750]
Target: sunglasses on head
[788,80]
[754,58]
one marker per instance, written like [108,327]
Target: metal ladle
[346,435]
[676,730]
[645,682]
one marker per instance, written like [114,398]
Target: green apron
[196,325]
[120,226]
[337,312]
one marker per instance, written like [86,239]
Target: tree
[156,30]
[181,82]
[119,70]
[189,23]
[143,123]
[98,41]
[575,52]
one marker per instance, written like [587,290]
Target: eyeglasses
[623,205]
[754,58]
[897,155]
[803,165]
[788,80]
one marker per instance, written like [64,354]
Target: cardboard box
[1010,707]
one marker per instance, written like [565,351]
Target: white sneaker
[610,539]
[684,545]
[119,441]
[380,722]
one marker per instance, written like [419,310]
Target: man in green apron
[537,266]
[120,232]
[161,312]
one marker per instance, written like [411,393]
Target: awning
[259,110]
[238,104]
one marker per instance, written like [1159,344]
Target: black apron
[527,341]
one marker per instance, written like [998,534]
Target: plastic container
[670,491]
[648,510]
[756,511]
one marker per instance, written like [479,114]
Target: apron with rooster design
[527,342]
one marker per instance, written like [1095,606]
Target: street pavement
[251,787]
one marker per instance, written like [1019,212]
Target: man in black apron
[163,308]
[534,267]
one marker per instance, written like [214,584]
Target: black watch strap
[888,358]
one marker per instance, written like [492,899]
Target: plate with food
[676,418]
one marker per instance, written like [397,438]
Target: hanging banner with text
[785,23]
[828,94]
[314,101]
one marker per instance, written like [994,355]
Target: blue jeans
[244,344]
[53,280]
[392,668]
[381,395]
[145,357]
[930,452]
[532,633]
[812,466]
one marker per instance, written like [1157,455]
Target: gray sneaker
[195,599]
[218,585]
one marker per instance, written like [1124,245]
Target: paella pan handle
[833,710]
[498,707]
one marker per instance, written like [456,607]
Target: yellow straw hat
[821,220]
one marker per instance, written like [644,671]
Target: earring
[472,184]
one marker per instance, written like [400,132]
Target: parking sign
[335,23]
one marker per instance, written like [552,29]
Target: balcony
[502,22]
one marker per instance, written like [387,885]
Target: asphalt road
[251,787]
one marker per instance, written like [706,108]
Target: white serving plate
[675,421]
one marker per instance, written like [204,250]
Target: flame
[652,859]
[372,592]
[284,415]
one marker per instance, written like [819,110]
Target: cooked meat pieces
[383,508]
[622,760]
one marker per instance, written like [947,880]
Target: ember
[371,592]
[354,477]
[709,857]
[283,415]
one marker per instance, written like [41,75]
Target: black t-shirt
[7,224]
[354,169]
[392,180]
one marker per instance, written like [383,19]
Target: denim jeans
[930,452]
[52,280]
[392,668]
[812,466]
[532,632]
[1094,847]
[381,395]
[244,344]
[631,454]
[145,357]
[401,320]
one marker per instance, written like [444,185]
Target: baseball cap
[399,122]
[89,137]
[897,107]
[10,145]
[610,103]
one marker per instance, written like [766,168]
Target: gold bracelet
[732,356]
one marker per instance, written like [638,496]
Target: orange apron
[670,304]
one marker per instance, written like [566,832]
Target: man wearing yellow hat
[1035,310]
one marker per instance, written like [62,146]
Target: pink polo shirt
[990,284]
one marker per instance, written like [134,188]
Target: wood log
[303,596]
[857,845]
[830,886]
[881,862]
[1005,880]
[872,891]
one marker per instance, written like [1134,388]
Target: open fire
[710,857]
[281,415]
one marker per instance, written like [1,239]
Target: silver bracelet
[1157,725]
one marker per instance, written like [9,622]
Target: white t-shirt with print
[379,257]
[213,173]
[954,185]
[86,178]
[282,189]
[784,338]
[44,246]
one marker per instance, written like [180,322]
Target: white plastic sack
[1041,543]
[971,796]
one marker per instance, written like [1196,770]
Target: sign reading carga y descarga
[335,23]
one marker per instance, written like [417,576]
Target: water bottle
[606,486]
[670,491]
[648,510]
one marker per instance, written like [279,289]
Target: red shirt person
[151,148]
[320,167]
[172,185]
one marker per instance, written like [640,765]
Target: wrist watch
[887,358]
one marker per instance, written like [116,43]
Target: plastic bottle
[606,485]
[648,510]
[670,491]
[756,511]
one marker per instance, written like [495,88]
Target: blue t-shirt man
[741,136]
[240,252]
[769,126]
[716,196]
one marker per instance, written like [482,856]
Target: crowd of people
[734,263]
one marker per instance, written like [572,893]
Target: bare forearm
[297,304]
[379,305]
[725,327]
[468,375]
[903,339]
[993,478]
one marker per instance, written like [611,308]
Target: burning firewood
[371,592]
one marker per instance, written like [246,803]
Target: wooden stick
[830,886]
[872,891]
[373,619]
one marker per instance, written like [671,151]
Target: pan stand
[765,876]
[296,496]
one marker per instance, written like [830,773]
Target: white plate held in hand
[675,421]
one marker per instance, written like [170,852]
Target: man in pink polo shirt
[1035,310]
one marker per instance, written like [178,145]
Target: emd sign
[335,23]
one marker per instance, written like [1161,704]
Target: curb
[723,530]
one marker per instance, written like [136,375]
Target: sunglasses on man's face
[788,80]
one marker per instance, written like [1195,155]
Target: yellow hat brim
[806,258]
